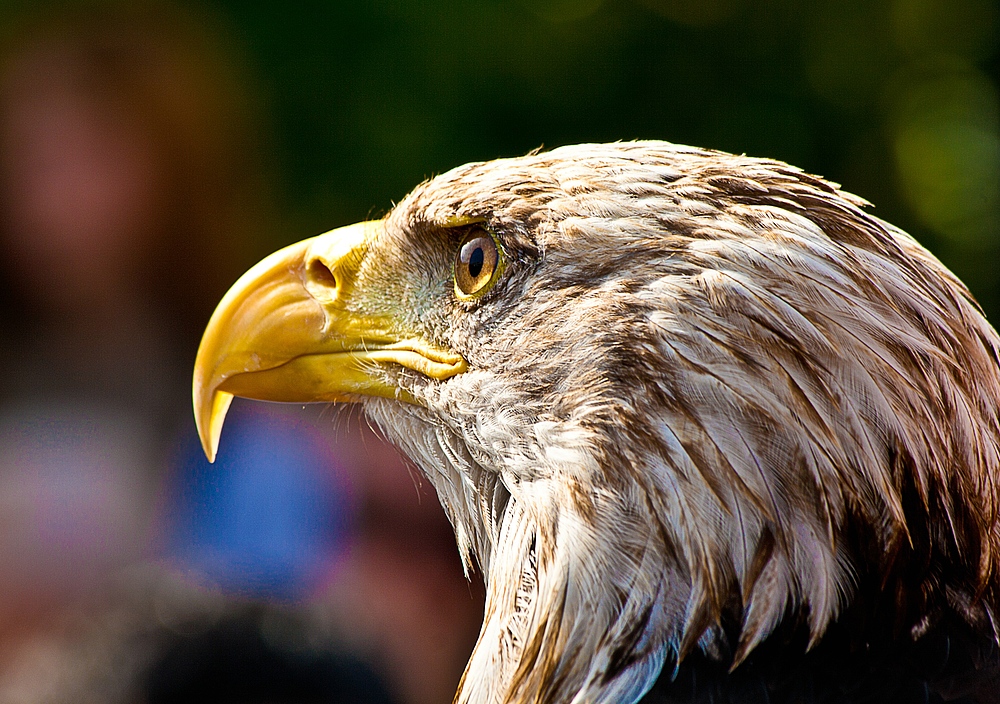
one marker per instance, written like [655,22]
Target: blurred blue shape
[271,517]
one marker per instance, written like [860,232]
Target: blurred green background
[895,99]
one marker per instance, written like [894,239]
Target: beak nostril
[321,274]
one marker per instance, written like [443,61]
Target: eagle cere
[688,412]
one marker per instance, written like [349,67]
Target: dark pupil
[476,262]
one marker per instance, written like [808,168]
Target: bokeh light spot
[946,141]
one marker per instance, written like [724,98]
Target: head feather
[711,397]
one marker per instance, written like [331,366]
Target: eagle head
[678,405]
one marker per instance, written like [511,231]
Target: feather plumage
[744,400]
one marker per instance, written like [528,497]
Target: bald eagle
[709,430]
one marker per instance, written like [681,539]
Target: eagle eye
[476,264]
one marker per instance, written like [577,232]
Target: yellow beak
[285,332]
